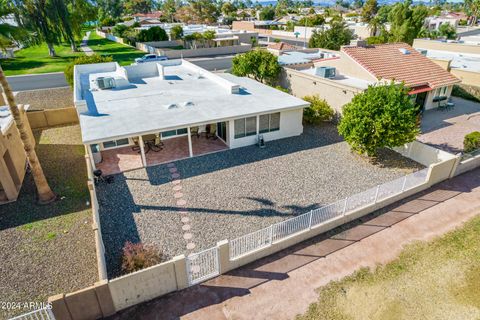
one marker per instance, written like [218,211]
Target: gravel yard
[234,192]
[46,250]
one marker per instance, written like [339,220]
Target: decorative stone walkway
[84,46]
[181,202]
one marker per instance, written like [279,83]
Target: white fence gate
[40,314]
[202,266]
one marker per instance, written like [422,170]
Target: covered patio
[134,157]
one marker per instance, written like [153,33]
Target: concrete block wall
[53,117]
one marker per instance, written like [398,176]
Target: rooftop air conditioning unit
[326,72]
[423,52]
[105,83]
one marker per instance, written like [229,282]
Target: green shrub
[460,92]
[318,111]
[152,34]
[471,142]
[83,60]
[137,256]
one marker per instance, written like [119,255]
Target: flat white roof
[6,119]
[467,61]
[342,79]
[141,106]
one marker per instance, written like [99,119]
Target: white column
[189,142]
[142,150]
[90,156]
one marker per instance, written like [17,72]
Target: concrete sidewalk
[283,285]
[84,45]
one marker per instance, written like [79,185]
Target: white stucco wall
[429,102]
[290,125]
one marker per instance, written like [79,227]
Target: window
[245,127]
[441,92]
[115,143]
[176,132]
[269,122]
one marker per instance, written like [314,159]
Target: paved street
[37,81]
[283,285]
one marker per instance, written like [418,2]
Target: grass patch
[430,280]
[123,54]
[35,59]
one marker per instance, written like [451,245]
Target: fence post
[376,193]
[223,256]
[181,272]
[271,234]
[310,222]
[345,206]
[404,182]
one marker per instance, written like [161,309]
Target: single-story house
[151,113]
[357,66]
[459,58]
[13,160]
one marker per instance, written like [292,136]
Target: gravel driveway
[235,192]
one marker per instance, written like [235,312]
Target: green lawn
[433,280]
[35,59]
[123,54]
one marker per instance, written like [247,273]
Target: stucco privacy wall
[301,84]
[468,78]
[445,46]
[201,52]
[467,164]
[54,117]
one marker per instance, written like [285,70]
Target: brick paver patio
[447,129]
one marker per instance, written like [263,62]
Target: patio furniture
[194,131]
[99,177]
[450,105]
[211,132]
[442,106]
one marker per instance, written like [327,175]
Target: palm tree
[45,194]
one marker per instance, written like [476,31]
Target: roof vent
[172,106]
[188,104]
[404,51]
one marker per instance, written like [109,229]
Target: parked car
[150,57]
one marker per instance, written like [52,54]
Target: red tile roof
[282,46]
[154,14]
[386,61]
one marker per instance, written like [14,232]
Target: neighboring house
[459,58]
[303,56]
[151,15]
[279,48]
[452,18]
[13,161]
[338,79]
[159,112]
[260,26]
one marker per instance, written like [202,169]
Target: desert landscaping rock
[237,191]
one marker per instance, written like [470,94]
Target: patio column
[90,156]
[142,151]
[190,151]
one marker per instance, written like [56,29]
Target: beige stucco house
[13,160]
[338,79]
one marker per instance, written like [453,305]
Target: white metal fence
[202,265]
[39,314]
[265,237]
